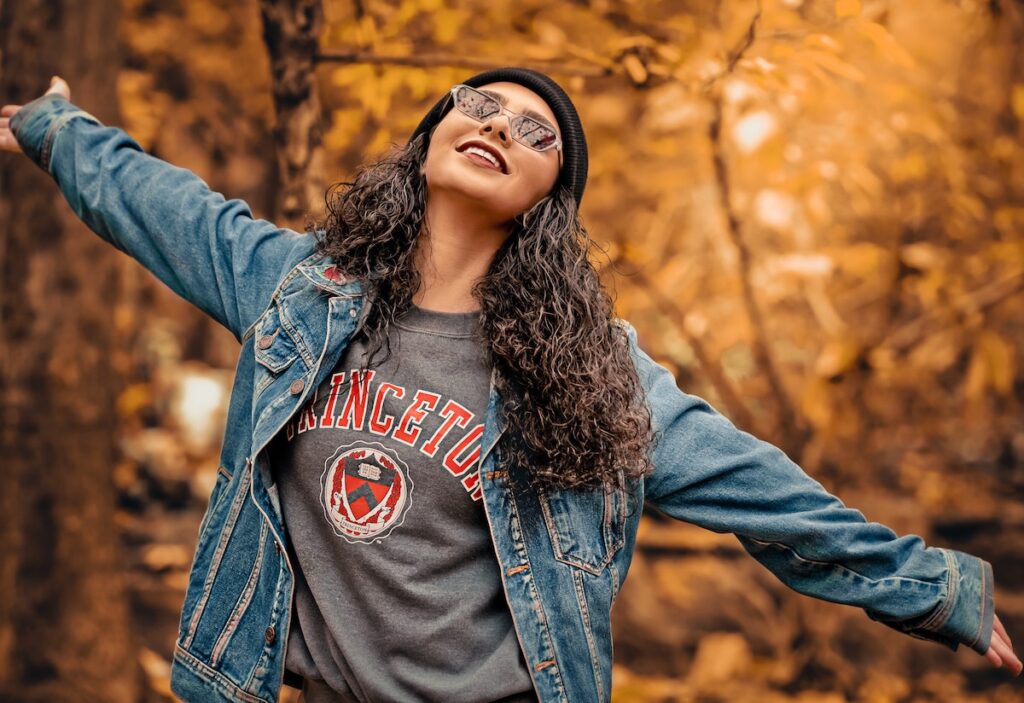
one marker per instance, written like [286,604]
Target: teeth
[484,153]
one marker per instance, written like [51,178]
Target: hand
[1000,651]
[7,140]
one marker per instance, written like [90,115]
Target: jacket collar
[325,275]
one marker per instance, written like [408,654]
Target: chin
[485,190]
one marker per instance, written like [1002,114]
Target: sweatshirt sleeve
[710,473]
[207,249]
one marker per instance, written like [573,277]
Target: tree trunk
[64,620]
[291,29]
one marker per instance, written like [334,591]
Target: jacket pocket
[274,348]
[587,527]
[218,492]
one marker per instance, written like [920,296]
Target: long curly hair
[572,403]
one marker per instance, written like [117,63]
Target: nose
[499,124]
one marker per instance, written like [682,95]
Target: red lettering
[471,481]
[456,465]
[408,430]
[307,420]
[354,412]
[454,414]
[376,425]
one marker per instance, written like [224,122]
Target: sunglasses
[525,130]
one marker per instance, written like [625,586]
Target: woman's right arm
[209,250]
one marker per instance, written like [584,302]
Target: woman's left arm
[710,473]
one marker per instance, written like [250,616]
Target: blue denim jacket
[563,554]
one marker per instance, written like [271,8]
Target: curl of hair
[572,402]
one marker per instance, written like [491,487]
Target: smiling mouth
[479,159]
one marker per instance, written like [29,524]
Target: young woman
[440,435]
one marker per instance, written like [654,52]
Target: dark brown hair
[572,402]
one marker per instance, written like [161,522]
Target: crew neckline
[447,324]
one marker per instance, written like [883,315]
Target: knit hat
[574,143]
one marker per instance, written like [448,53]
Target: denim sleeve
[208,250]
[710,473]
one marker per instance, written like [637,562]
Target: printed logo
[365,491]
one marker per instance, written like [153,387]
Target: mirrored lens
[532,133]
[475,104]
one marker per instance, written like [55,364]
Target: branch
[432,60]
[734,405]
[793,436]
[978,300]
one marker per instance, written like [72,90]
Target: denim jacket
[563,554]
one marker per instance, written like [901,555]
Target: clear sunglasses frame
[516,122]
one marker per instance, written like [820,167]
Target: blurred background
[812,211]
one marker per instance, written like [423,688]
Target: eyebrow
[529,113]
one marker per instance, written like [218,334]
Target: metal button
[352,312]
[265,341]
[297,386]
[270,634]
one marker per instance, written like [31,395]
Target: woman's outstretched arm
[710,473]
[207,249]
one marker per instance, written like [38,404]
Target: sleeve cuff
[969,619]
[965,615]
[37,124]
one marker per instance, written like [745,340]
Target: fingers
[59,85]
[997,625]
[9,110]
[1000,653]
[992,655]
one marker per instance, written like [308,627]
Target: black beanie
[574,143]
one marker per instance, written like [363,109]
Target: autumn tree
[64,627]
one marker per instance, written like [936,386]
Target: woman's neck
[456,252]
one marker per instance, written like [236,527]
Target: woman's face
[526,176]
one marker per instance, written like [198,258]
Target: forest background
[812,211]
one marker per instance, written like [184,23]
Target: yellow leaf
[909,167]
[635,68]
[999,361]
[838,66]
[847,8]
[923,255]
[1017,99]
[837,357]
[936,352]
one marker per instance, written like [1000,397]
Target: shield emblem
[365,492]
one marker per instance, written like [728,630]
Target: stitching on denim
[273,296]
[612,543]
[531,585]
[212,676]
[291,590]
[321,286]
[54,130]
[838,566]
[581,599]
[293,333]
[615,584]
[244,599]
[262,356]
[555,537]
[981,620]
[942,613]
[221,490]
[225,536]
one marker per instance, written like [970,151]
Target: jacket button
[270,634]
[277,546]
[297,386]
[265,341]
[352,312]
